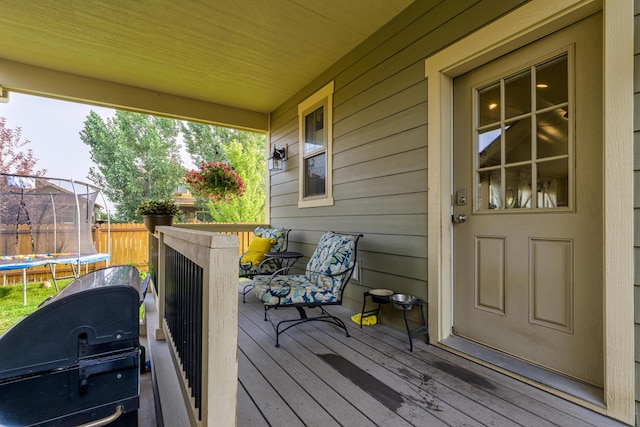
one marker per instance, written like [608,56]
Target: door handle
[459,219]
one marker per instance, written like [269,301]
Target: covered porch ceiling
[228,62]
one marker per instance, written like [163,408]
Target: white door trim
[524,25]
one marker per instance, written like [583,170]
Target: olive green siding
[379,146]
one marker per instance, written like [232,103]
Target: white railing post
[217,255]
[160,274]
[220,375]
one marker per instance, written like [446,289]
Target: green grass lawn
[11,308]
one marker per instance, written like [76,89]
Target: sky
[53,129]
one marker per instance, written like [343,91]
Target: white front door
[527,173]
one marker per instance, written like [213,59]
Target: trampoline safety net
[46,221]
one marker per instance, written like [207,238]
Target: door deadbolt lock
[461,197]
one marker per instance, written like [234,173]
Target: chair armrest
[249,263]
[337,273]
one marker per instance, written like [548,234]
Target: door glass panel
[517,95]
[489,105]
[489,189]
[514,141]
[552,133]
[517,145]
[518,190]
[553,184]
[552,86]
[489,143]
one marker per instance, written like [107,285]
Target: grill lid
[96,314]
[121,275]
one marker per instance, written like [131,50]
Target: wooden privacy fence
[129,246]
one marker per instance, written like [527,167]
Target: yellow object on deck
[369,320]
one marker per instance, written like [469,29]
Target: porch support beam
[23,78]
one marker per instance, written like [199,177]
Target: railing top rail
[222,227]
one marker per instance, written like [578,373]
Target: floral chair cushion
[326,272]
[291,289]
[279,235]
[334,254]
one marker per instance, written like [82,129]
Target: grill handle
[104,421]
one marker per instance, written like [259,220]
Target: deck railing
[197,297]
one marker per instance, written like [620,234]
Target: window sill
[312,203]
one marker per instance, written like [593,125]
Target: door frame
[525,24]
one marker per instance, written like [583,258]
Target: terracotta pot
[150,221]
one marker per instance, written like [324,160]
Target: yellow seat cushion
[256,250]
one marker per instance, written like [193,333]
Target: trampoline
[47,222]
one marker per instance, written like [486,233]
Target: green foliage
[247,155]
[204,142]
[158,207]
[245,152]
[137,157]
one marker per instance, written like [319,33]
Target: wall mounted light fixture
[277,159]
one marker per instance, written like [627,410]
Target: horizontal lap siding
[636,201]
[379,147]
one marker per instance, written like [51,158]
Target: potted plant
[215,181]
[157,212]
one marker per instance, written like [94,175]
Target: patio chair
[253,261]
[326,276]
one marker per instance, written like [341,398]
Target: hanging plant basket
[215,181]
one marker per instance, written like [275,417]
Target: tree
[13,157]
[248,159]
[137,156]
[204,143]
[245,152]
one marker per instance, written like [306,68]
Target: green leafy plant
[158,207]
[215,181]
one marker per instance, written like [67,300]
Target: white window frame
[323,97]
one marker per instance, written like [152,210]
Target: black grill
[76,358]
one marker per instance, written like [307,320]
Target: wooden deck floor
[319,377]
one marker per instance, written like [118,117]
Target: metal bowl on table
[380,296]
[403,301]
